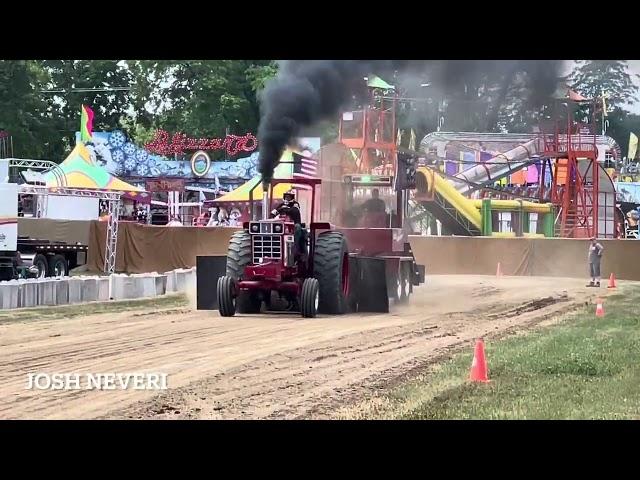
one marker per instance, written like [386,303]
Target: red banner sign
[179,143]
[173,185]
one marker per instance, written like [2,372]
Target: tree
[136,131]
[69,76]
[23,112]
[202,98]
[591,78]
[259,75]
[621,123]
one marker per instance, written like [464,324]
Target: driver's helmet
[289,197]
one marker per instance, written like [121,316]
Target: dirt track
[268,366]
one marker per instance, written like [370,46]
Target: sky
[634,68]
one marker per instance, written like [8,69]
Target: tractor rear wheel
[226,296]
[331,268]
[405,282]
[238,257]
[238,254]
[310,298]
[394,286]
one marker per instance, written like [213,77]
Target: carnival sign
[200,163]
[165,144]
[165,185]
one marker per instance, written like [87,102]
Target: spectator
[175,222]
[594,258]
[214,219]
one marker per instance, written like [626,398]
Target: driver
[291,208]
[375,204]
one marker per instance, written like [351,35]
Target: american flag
[305,168]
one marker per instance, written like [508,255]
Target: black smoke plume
[306,92]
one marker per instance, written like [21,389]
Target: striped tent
[240,195]
[79,170]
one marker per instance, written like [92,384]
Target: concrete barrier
[46,292]
[61,291]
[25,293]
[145,283]
[161,284]
[125,287]
[89,289]
[9,294]
[118,286]
[191,280]
[172,285]
[103,288]
[181,279]
[75,290]
[28,293]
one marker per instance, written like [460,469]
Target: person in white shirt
[175,222]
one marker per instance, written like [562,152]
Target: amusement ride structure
[572,194]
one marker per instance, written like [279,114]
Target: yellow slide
[448,192]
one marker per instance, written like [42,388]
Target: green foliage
[259,75]
[40,101]
[206,98]
[69,76]
[586,368]
[593,77]
[202,98]
[136,131]
[23,112]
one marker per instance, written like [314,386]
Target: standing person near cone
[594,257]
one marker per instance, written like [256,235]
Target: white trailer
[27,257]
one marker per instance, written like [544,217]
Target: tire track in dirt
[341,369]
[265,366]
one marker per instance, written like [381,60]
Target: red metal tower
[575,172]
[371,133]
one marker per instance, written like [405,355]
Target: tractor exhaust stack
[265,205]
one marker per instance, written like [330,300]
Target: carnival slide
[458,214]
[445,199]
[496,168]
[435,195]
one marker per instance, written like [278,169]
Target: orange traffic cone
[599,308]
[499,270]
[479,364]
[612,280]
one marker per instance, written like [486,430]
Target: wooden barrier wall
[555,257]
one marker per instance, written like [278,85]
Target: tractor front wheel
[226,296]
[310,298]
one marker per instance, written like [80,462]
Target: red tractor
[264,262]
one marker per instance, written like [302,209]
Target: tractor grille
[266,246]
